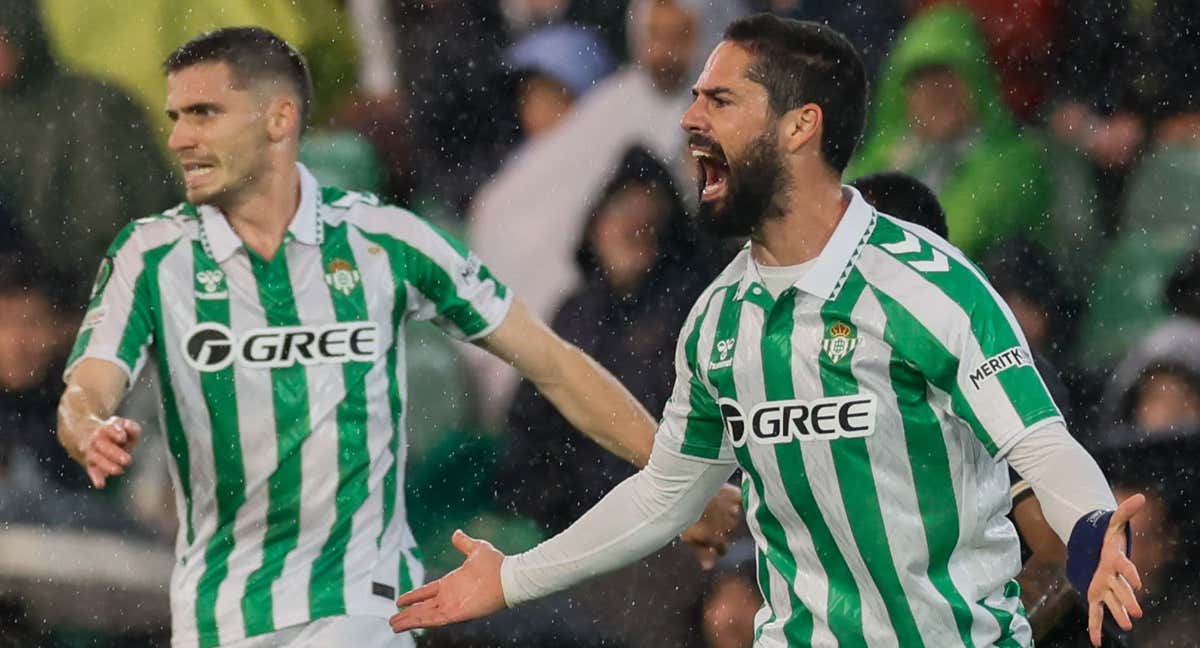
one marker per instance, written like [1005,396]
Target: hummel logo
[724,355]
[212,280]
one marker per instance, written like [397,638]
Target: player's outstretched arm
[596,403]
[640,515]
[87,429]
[586,394]
[1079,506]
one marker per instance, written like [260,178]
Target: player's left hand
[1116,576]
[469,592]
[709,536]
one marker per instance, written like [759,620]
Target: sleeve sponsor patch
[1003,361]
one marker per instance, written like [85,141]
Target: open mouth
[714,172]
[196,172]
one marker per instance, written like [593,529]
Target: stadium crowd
[1061,138]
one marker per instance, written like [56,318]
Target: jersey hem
[196,639]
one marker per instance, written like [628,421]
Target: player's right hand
[469,592]
[106,450]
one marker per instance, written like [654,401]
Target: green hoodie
[995,188]
[75,154]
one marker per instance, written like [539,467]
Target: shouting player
[277,309]
[863,375]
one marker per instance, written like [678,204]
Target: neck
[262,217]
[807,221]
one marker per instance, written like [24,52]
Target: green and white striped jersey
[869,407]
[284,397]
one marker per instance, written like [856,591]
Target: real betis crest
[342,276]
[840,340]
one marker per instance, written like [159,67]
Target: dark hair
[903,196]
[805,62]
[253,54]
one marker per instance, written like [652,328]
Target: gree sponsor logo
[1014,357]
[209,346]
[820,419]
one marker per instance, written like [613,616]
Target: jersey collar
[220,241]
[833,264]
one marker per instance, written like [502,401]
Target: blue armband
[1083,548]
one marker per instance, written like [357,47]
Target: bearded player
[864,376]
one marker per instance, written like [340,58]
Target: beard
[753,184]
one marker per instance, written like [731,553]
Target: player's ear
[283,118]
[801,126]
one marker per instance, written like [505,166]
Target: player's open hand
[469,592]
[709,536]
[1116,577]
[106,450]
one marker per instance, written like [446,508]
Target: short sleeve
[119,323]
[999,390]
[452,286]
[691,423]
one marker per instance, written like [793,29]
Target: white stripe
[362,555]
[807,334]
[176,285]
[319,452]
[894,483]
[811,585]
[256,432]
[951,326]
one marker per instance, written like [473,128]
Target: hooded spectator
[938,116]
[528,221]
[643,270]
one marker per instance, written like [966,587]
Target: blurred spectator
[937,115]
[459,118]
[528,221]
[1164,537]
[642,269]
[36,328]
[1022,43]
[1024,274]
[870,25]
[75,154]
[732,600]
[127,41]
[1155,390]
[1159,230]
[555,66]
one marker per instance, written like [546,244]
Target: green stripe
[433,282]
[395,400]
[220,400]
[405,577]
[326,588]
[937,365]
[844,604]
[176,437]
[990,327]
[798,626]
[703,432]
[930,464]
[289,386]
[138,326]
[856,481]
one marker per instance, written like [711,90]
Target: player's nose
[180,138]
[693,119]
